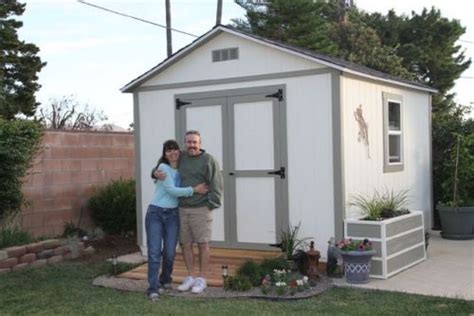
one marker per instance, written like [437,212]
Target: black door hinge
[180,103]
[278,95]
[280,172]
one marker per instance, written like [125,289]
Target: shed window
[393,132]
[225,54]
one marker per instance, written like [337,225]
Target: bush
[269,265]
[70,230]
[252,271]
[19,141]
[113,207]
[14,237]
[237,283]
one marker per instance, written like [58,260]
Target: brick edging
[41,253]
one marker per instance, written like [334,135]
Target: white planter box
[399,242]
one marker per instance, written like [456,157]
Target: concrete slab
[448,272]
[134,258]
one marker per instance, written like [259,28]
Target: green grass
[67,289]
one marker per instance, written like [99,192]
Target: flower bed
[283,282]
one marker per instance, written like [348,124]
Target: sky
[91,53]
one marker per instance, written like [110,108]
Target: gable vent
[225,54]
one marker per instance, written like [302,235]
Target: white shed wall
[363,174]
[254,59]
[309,133]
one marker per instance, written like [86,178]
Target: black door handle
[280,172]
[231,173]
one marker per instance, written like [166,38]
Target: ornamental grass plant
[381,205]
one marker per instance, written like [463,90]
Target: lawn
[67,289]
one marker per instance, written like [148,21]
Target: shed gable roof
[332,62]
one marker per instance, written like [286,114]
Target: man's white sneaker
[199,286]
[187,284]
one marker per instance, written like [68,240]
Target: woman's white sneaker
[199,286]
[187,284]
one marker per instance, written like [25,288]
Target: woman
[162,219]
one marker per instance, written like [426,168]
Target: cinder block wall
[65,173]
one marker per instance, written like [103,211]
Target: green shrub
[113,207]
[70,230]
[14,237]
[268,265]
[19,141]
[238,283]
[251,270]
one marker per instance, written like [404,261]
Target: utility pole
[169,41]
[219,12]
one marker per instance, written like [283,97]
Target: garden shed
[296,134]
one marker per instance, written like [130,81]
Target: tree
[427,44]
[321,26]
[19,65]
[19,141]
[68,113]
[298,22]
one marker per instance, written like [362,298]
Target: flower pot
[457,222]
[357,265]
[292,265]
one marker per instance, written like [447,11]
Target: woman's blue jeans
[162,228]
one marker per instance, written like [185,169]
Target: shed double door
[245,130]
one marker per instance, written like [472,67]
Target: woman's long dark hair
[169,144]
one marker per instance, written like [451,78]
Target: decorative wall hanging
[363,135]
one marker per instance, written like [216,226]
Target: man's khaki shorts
[195,225]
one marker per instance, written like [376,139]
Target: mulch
[109,246]
[124,284]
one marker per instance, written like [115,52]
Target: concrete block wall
[65,174]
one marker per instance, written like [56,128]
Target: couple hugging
[194,177]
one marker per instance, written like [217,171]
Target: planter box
[399,242]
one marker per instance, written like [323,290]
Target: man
[196,166]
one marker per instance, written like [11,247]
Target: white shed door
[199,117]
[246,133]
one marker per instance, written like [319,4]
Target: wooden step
[233,258]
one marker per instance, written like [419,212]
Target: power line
[133,17]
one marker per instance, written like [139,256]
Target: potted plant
[457,213]
[397,234]
[356,257]
[292,246]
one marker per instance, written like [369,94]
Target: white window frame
[387,165]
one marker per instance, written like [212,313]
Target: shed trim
[138,169]
[212,82]
[338,156]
